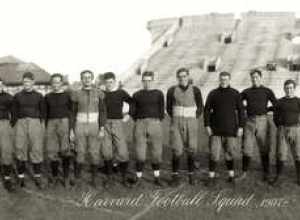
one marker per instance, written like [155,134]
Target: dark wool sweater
[5,105]
[28,105]
[224,111]
[114,101]
[257,99]
[287,111]
[148,104]
[58,105]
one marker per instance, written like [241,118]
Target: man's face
[56,84]
[289,90]
[87,79]
[224,81]
[183,78]
[110,84]
[28,84]
[256,79]
[147,82]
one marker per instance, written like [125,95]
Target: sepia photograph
[147,110]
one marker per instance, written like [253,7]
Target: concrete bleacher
[262,41]
[195,41]
[158,27]
[259,39]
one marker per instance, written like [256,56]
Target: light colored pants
[6,142]
[216,143]
[57,138]
[184,135]
[256,130]
[288,137]
[29,139]
[87,141]
[115,139]
[148,130]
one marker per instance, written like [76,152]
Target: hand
[126,118]
[72,135]
[101,132]
[240,132]
[209,131]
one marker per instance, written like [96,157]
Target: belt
[186,112]
[87,117]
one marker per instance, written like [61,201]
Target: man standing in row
[58,111]
[256,128]
[184,106]
[6,138]
[28,118]
[224,121]
[148,111]
[89,112]
[115,139]
[286,118]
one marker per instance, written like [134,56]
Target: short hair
[148,73]
[224,73]
[290,81]
[182,69]
[86,71]
[254,71]
[109,75]
[57,75]
[28,75]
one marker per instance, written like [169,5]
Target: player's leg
[295,148]
[192,146]
[21,149]
[230,147]
[176,142]
[247,146]
[140,138]
[81,131]
[94,145]
[52,147]
[64,151]
[155,133]
[6,144]
[215,146]
[122,154]
[281,154]
[263,145]
[36,141]
[107,152]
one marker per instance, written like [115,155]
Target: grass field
[251,199]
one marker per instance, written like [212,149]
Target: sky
[69,36]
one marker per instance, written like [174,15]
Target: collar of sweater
[224,88]
[290,97]
[257,87]
[59,92]
[28,91]
[184,88]
[87,88]
[113,90]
